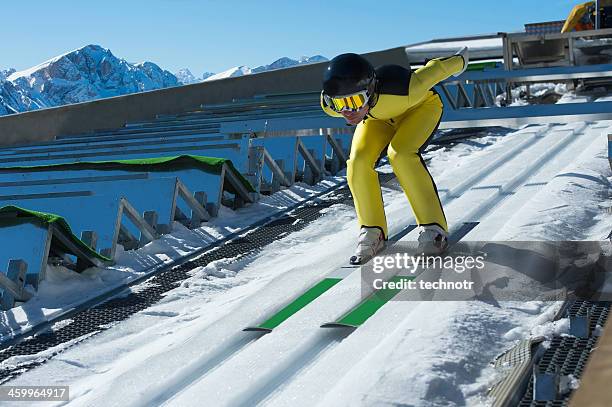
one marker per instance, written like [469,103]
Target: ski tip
[257,329]
[338,325]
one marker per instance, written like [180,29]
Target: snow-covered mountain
[288,62]
[93,72]
[85,74]
[278,64]
[231,73]
[13,99]
[206,75]
[185,77]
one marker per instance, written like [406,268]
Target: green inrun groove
[370,305]
[310,295]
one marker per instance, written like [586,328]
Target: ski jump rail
[516,116]
[468,117]
[470,99]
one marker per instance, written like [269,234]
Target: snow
[549,182]
[27,360]
[207,75]
[285,62]
[569,383]
[230,73]
[185,76]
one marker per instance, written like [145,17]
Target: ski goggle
[352,103]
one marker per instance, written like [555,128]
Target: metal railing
[552,49]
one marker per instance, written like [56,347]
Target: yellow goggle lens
[352,102]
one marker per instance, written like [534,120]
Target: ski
[316,291]
[372,303]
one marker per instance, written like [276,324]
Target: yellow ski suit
[404,117]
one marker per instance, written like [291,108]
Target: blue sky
[214,35]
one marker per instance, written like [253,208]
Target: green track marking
[369,306]
[312,294]
[306,298]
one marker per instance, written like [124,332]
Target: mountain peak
[87,73]
[231,73]
[286,62]
[185,76]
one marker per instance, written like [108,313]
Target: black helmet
[348,74]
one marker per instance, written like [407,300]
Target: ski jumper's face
[355,117]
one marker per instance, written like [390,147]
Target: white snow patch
[25,360]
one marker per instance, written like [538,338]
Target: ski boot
[371,241]
[433,240]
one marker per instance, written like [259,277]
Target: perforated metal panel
[568,355]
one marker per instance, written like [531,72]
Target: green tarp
[208,164]
[50,218]
[481,66]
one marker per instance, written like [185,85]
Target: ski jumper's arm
[426,77]
[328,110]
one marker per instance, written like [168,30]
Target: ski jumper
[404,117]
